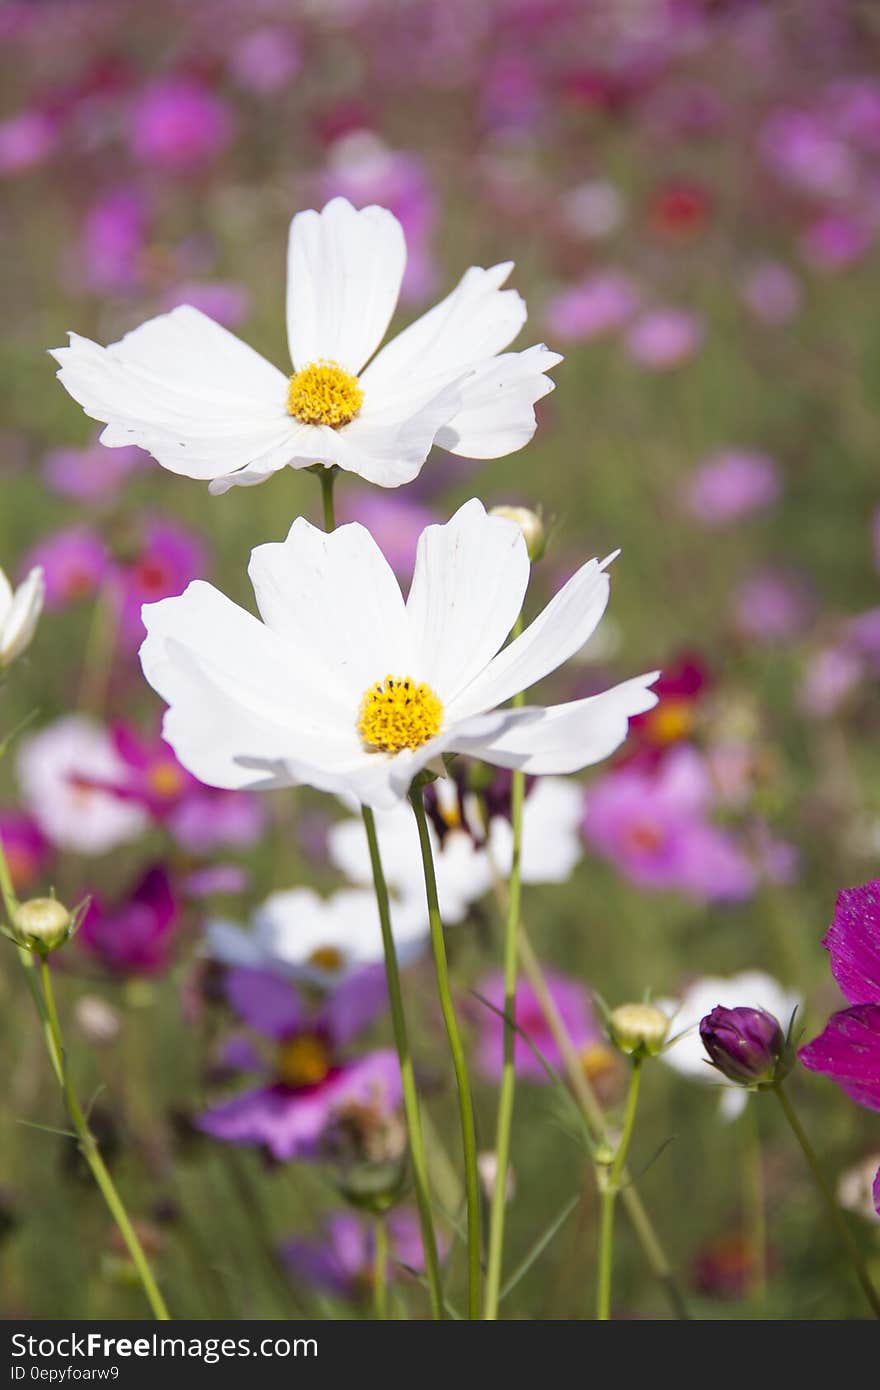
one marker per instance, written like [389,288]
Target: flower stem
[595,1118]
[465,1104]
[834,1211]
[89,1149]
[327,479]
[609,1186]
[508,1074]
[408,1081]
[380,1268]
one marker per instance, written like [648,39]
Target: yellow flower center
[396,713]
[165,780]
[303,1061]
[324,393]
[328,958]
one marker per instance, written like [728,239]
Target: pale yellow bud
[42,924]
[530,524]
[639,1028]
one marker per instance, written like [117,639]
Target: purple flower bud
[745,1045]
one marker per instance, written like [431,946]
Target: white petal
[197,398]
[233,945]
[568,621]
[336,603]
[497,414]
[467,590]
[476,321]
[344,270]
[241,703]
[5,597]
[562,738]
[551,839]
[20,622]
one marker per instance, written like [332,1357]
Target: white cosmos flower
[466,862]
[56,768]
[20,611]
[207,406]
[322,941]
[346,687]
[751,989]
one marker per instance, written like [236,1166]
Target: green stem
[837,1216]
[753,1204]
[407,1074]
[595,1118]
[609,1186]
[91,1153]
[380,1268]
[465,1104]
[507,1090]
[327,479]
[10,904]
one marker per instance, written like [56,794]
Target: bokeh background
[690,190]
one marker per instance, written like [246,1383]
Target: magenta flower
[773,605]
[135,936]
[92,474]
[836,241]
[179,125]
[805,152]
[772,293]
[664,338]
[75,564]
[166,560]
[341,1261]
[25,847]
[224,302]
[730,485]
[597,305]
[265,60]
[574,1004]
[653,825]
[26,140]
[746,1045]
[307,1077]
[112,241]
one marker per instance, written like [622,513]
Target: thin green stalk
[753,1204]
[837,1216]
[507,1089]
[459,1064]
[408,1080]
[595,1118]
[10,904]
[609,1186]
[327,479]
[380,1268]
[91,1153]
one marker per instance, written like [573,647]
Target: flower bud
[530,524]
[745,1045]
[638,1029]
[19,614]
[42,924]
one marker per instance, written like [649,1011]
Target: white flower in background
[346,687]
[207,406]
[752,989]
[464,860]
[56,768]
[322,941]
[20,611]
[463,871]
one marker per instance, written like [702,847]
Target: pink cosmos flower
[266,60]
[772,293]
[341,1261]
[26,140]
[166,559]
[75,564]
[92,474]
[136,935]
[25,847]
[848,1048]
[224,302]
[112,240]
[662,339]
[730,485]
[773,605]
[307,1077]
[179,125]
[571,999]
[836,241]
[599,304]
[653,826]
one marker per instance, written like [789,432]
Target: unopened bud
[42,924]
[531,525]
[638,1029]
[746,1045]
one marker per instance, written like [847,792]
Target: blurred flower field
[690,192]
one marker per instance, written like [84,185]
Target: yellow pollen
[326,958]
[324,393]
[396,713]
[303,1061]
[165,779]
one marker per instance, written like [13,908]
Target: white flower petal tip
[343,685]
[208,407]
[20,611]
